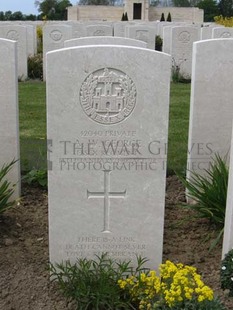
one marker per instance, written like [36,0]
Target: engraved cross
[106,195]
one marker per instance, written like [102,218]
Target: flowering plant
[226,274]
[225,21]
[177,287]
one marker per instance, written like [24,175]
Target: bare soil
[24,277]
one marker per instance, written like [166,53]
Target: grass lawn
[32,117]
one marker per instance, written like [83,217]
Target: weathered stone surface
[211,108]
[9,124]
[108,121]
[103,41]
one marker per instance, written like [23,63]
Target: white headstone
[167,36]
[143,33]
[119,29]
[107,110]
[228,226]
[19,34]
[9,123]
[181,48]
[31,40]
[206,33]
[211,108]
[78,30]
[222,32]
[53,38]
[99,30]
[103,41]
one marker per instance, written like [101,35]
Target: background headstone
[143,33]
[99,30]
[107,109]
[222,32]
[181,48]
[19,34]
[53,38]
[103,41]
[211,108]
[228,226]
[9,123]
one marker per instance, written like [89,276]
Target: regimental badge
[108,96]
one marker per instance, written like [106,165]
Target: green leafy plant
[93,284]
[210,193]
[226,274]
[6,188]
[35,67]
[158,43]
[36,177]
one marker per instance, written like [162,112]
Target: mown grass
[178,127]
[32,124]
[32,116]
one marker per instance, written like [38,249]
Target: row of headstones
[107,112]
[177,38]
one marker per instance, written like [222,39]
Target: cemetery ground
[24,281]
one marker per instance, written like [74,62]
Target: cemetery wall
[112,13]
[177,14]
[95,12]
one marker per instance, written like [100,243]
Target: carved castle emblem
[108,96]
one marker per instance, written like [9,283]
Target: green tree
[8,15]
[2,15]
[30,17]
[226,8]
[162,19]
[181,3]
[169,18]
[53,9]
[94,2]
[17,16]
[210,8]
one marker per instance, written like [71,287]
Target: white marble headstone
[103,41]
[181,48]
[9,123]
[53,38]
[143,33]
[107,112]
[228,225]
[211,108]
[19,34]
[222,32]
[99,30]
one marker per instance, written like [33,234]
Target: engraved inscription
[99,33]
[106,195]
[184,37]
[108,96]
[225,34]
[12,35]
[56,35]
[142,35]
